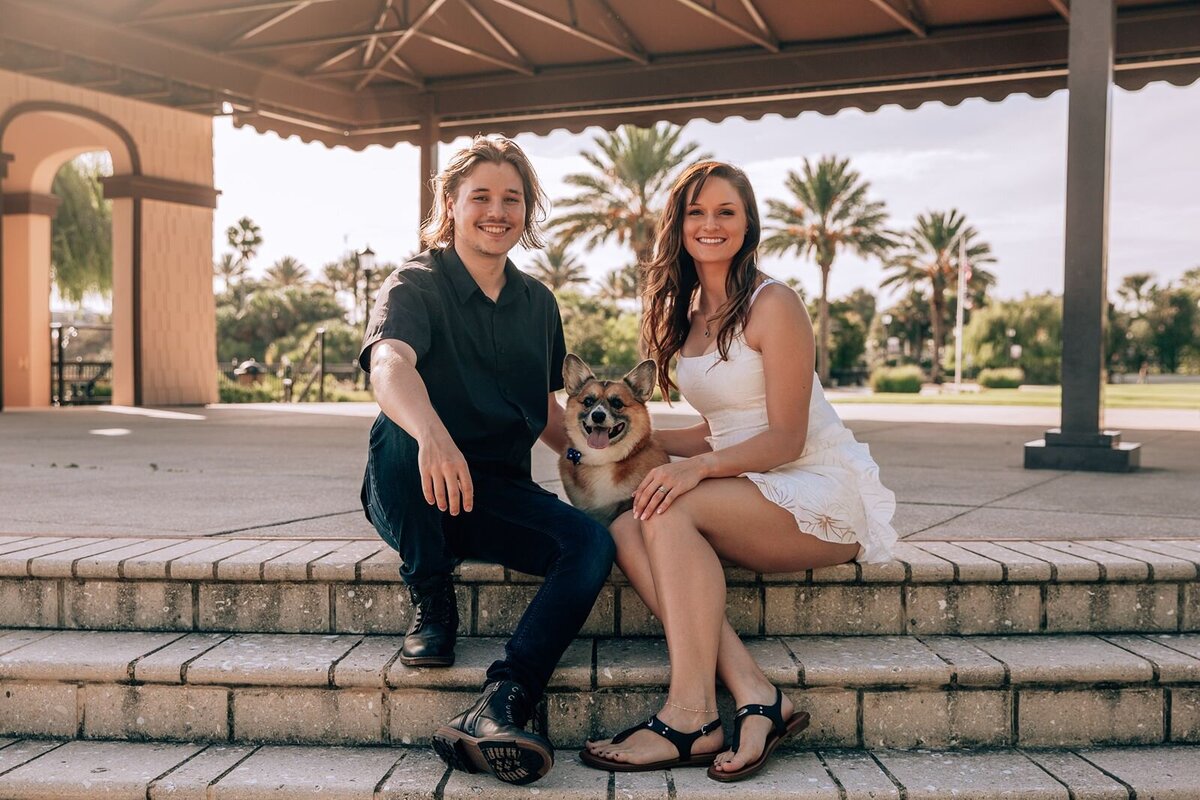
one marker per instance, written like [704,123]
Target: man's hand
[445,477]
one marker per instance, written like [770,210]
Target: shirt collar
[465,286]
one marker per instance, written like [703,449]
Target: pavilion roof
[361,72]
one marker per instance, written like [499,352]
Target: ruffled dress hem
[838,520]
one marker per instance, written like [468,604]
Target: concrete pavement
[294,471]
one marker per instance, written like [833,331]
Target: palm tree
[245,238]
[286,272]
[229,270]
[1191,278]
[557,268]
[343,276]
[620,283]
[620,198]
[1136,290]
[929,259]
[829,211]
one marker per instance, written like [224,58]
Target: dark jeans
[515,523]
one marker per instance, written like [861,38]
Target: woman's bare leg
[724,518]
[735,665]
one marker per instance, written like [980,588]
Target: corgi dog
[612,446]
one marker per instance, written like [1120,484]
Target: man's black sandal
[683,745]
[780,731]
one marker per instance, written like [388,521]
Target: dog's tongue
[598,439]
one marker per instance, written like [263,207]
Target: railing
[78,382]
[279,381]
[316,374]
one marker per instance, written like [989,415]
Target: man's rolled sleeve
[401,312]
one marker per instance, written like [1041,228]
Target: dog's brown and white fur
[608,426]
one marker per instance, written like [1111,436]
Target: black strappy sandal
[683,745]
[781,730]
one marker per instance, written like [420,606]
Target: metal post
[958,313]
[320,365]
[1080,443]
[56,333]
[430,126]
[367,274]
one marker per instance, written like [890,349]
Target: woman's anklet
[693,710]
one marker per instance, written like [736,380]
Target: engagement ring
[663,489]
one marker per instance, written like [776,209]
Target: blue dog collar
[574,456]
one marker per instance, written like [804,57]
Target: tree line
[828,209]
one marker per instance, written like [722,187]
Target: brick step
[887,691]
[38,769]
[335,586]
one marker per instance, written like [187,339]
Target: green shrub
[236,393]
[1004,378]
[900,380]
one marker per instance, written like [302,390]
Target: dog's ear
[641,380]
[575,374]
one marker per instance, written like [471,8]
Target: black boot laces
[434,605]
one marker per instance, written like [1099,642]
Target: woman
[770,480]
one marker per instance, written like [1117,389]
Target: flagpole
[958,315]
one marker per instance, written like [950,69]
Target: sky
[1002,164]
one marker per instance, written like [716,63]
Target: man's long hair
[670,278]
[438,228]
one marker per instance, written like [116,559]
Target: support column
[25,290]
[4,159]
[430,127]
[1081,443]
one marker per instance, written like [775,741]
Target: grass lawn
[1122,395]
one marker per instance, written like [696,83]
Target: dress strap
[762,286]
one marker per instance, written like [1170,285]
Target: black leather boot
[434,627]
[490,736]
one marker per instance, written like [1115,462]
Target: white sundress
[833,489]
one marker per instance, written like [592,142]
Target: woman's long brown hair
[670,281]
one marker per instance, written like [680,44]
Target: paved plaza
[294,471]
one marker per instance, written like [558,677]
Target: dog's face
[607,419]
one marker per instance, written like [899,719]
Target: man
[465,353]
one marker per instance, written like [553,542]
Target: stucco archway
[164,339]
[40,138]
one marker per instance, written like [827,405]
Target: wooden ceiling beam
[759,20]
[411,76]
[495,33]
[354,72]
[404,38]
[578,33]
[524,69]
[615,18]
[768,42]
[904,18]
[385,10]
[267,24]
[343,38]
[218,11]
[329,62]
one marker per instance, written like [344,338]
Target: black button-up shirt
[488,366]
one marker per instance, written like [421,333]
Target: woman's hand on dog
[677,479]
[445,477]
